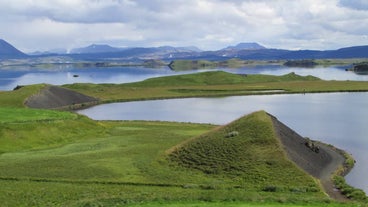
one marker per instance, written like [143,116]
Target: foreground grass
[80,162]
[40,134]
[238,204]
[11,115]
[70,194]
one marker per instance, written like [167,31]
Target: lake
[339,119]
[10,78]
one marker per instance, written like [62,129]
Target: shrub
[349,191]
[232,134]
[270,188]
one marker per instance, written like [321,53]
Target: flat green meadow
[12,115]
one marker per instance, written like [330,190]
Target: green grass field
[11,115]
[80,162]
[56,158]
[215,83]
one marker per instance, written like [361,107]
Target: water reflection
[11,78]
[336,118]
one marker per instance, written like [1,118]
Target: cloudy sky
[41,25]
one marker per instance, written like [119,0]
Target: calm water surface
[335,118]
[10,78]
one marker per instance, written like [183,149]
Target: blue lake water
[10,78]
[335,118]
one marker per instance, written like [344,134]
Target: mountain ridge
[246,51]
[95,48]
[9,51]
[246,46]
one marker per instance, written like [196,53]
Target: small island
[360,68]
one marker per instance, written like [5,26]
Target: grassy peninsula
[215,83]
[59,158]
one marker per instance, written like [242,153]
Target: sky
[41,25]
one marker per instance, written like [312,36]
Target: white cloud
[209,24]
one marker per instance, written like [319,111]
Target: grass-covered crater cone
[246,149]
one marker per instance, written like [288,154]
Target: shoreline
[323,161]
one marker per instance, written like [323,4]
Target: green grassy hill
[219,78]
[246,150]
[17,98]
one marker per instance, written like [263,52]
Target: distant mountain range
[95,49]
[108,49]
[245,46]
[9,51]
[253,51]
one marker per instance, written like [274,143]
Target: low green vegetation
[16,98]
[247,151]
[179,65]
[46,133]
[331,62]
[215,83]
[340,183]
[80,162]
[219,78]
[55,158]
[349,191]
[301,63]
[12,115]
[360,68]
[237,204]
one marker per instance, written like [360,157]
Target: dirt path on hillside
[321,164]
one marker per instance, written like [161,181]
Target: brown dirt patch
[54,97]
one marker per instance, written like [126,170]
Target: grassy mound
[41,131]
[246,149]
[17,98]
[219,78]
